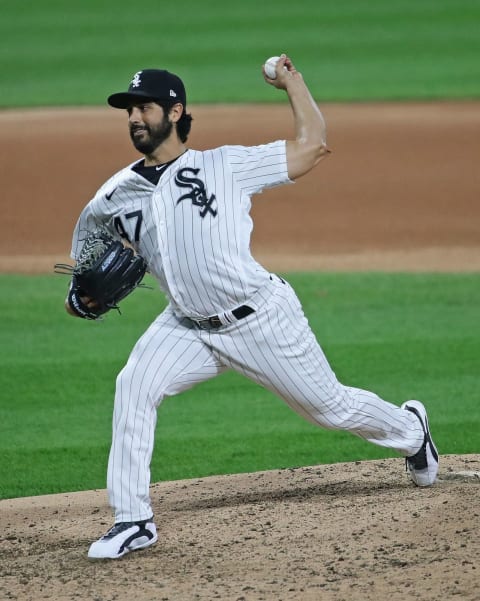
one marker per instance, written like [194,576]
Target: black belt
[215,322]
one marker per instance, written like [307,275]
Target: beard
[146,138]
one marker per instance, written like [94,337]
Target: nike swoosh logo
[109,196]
[159,167]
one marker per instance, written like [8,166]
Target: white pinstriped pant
[273,346]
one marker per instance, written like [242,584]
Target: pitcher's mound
[346,531]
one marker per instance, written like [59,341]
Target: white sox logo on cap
[136,81]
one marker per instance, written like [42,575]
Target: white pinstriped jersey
[193,228]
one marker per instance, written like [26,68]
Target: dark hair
[184,124]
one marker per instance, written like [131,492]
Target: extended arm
[310,144]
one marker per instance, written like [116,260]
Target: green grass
[403,336]
[56,52]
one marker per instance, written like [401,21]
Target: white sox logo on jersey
[197,194]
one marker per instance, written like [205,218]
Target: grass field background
[400,335]
[57,52]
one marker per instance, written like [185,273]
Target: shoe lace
[117,528]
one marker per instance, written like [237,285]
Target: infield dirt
[400,192]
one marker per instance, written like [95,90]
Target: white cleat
[423,466]
[123,538]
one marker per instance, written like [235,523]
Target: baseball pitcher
[184,214]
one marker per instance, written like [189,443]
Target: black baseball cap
[148,85]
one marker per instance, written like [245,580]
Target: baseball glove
[105,273]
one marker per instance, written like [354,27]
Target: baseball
[270,65]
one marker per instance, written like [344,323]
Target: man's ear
[176,111]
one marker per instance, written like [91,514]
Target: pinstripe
[195,235]
[298,372]
[221,278]
[167,359]
[262,365]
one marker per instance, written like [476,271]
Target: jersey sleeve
[90,219]
[256,168]
[98,212]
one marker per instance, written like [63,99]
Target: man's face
[149,126]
